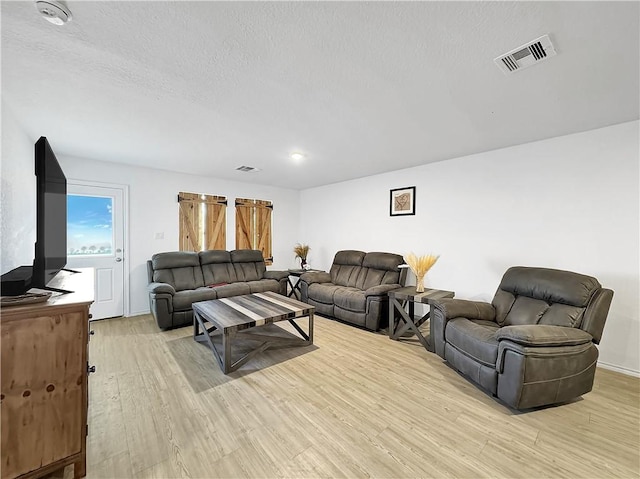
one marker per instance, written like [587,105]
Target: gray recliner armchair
[534,344]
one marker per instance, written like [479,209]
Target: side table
[408,297]
[295,287]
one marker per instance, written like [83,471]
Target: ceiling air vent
[247,169]
[528,54]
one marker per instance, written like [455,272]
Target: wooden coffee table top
[250,310]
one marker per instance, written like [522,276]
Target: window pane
[89,225]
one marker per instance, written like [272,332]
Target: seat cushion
[183,300]
[474,338]
[233,289]
[322,292]
[351,299]
[264,285]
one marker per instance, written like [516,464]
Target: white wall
[17,194]
[570,203]
[153,208]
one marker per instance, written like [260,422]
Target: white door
[95,238]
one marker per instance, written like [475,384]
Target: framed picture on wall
[403,201]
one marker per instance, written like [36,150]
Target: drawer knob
[92,332]
[91,369]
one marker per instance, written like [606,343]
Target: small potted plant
[301,251]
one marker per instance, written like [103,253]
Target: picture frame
[402,201]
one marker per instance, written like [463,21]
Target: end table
[295,287]
[408,297]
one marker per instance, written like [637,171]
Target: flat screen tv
[51,216]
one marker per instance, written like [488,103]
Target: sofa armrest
[543,335]
[277,275]
[315,277]
[443,310]
[569,357]
[161,288]
[462,308]
[381,289]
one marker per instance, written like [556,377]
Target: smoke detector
[54,12]
[526,55]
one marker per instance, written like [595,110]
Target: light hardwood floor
[356,404]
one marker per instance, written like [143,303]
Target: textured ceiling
[360,87]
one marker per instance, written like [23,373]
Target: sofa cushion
[180,269]
[182,300]
[233,289]
[550,285]
[214,256]
[379,268]
[476,339]
[537,335]
[526,310]
[346,267]
[174,259]
[248,264]
[264,285]
[351,299]
[322,292]
[246,256]
[543,296]
[217,267]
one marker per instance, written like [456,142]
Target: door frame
[125,231]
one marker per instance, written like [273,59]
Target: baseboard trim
[612,367]
[138,313]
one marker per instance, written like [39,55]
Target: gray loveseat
[534,344]
[180,278]
[355,289]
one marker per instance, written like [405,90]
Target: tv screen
[51,216]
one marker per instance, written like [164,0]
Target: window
[89,225]
[253,226]
[203,222]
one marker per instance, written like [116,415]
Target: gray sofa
[355,289]
[180,278]
[534,344]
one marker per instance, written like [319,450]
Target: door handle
[118,260]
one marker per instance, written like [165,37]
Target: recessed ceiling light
[297,156]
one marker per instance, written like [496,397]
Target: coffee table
[249,319]
[407,321]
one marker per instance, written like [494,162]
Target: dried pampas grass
[301,251]
[420,265]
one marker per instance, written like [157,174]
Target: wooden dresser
[44,381]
